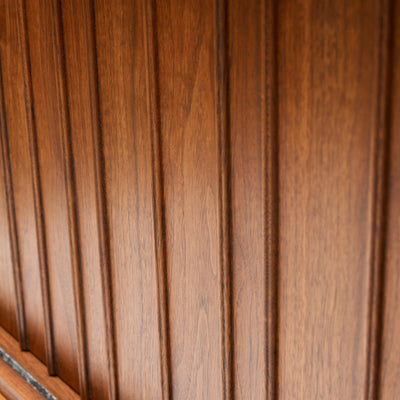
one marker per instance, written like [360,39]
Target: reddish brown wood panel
[187,68]
[17,110]
[43,26]
[328,90]
[390,358]
[246,24]
[200,191]
[8,308]
[126,139]
[78,35]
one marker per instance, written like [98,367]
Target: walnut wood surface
[17,111]
[328,128]
[45,52]
[199,199]
[8,309]
[127,158]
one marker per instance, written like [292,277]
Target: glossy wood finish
[8,308]
[127,157]
[204,196]
[18,112]
[187,67]
[78,36]
[45,51]
[328,102]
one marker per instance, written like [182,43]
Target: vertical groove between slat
[15,258]
[379,203]
[102,218]
[70,184]
[224,196]
[38,202]
[151,55]
[269,107]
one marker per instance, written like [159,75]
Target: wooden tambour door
[200,199]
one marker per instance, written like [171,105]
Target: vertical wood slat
[224,196]
[104,234]
[158,198]
[18,112]
[127,166]
[8,307]
[379,206]
[45,54]
[69,176]
[186,49]
[82,92]
[38,201]
[328,68]
[269,112]
[16,266]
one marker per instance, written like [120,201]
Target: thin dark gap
[102,217]
[15,256]
[380,213]
[70,183]
[38,204]
[269,71]
[225,196]
[26,376]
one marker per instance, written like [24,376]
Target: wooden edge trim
[13,386]
[270,135]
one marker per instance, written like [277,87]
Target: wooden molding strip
[25,375]
[269,107]
[158,196]
[13,386]
[224,197]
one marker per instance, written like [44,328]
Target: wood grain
[328,87]
[253,85]
[187,67]
[15,259]
[222,120]
[78,36]
[8,307]
[18,112]
[158,196]
[126,139]
[47,82]
[73,228]
[389,385]
[204,194]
